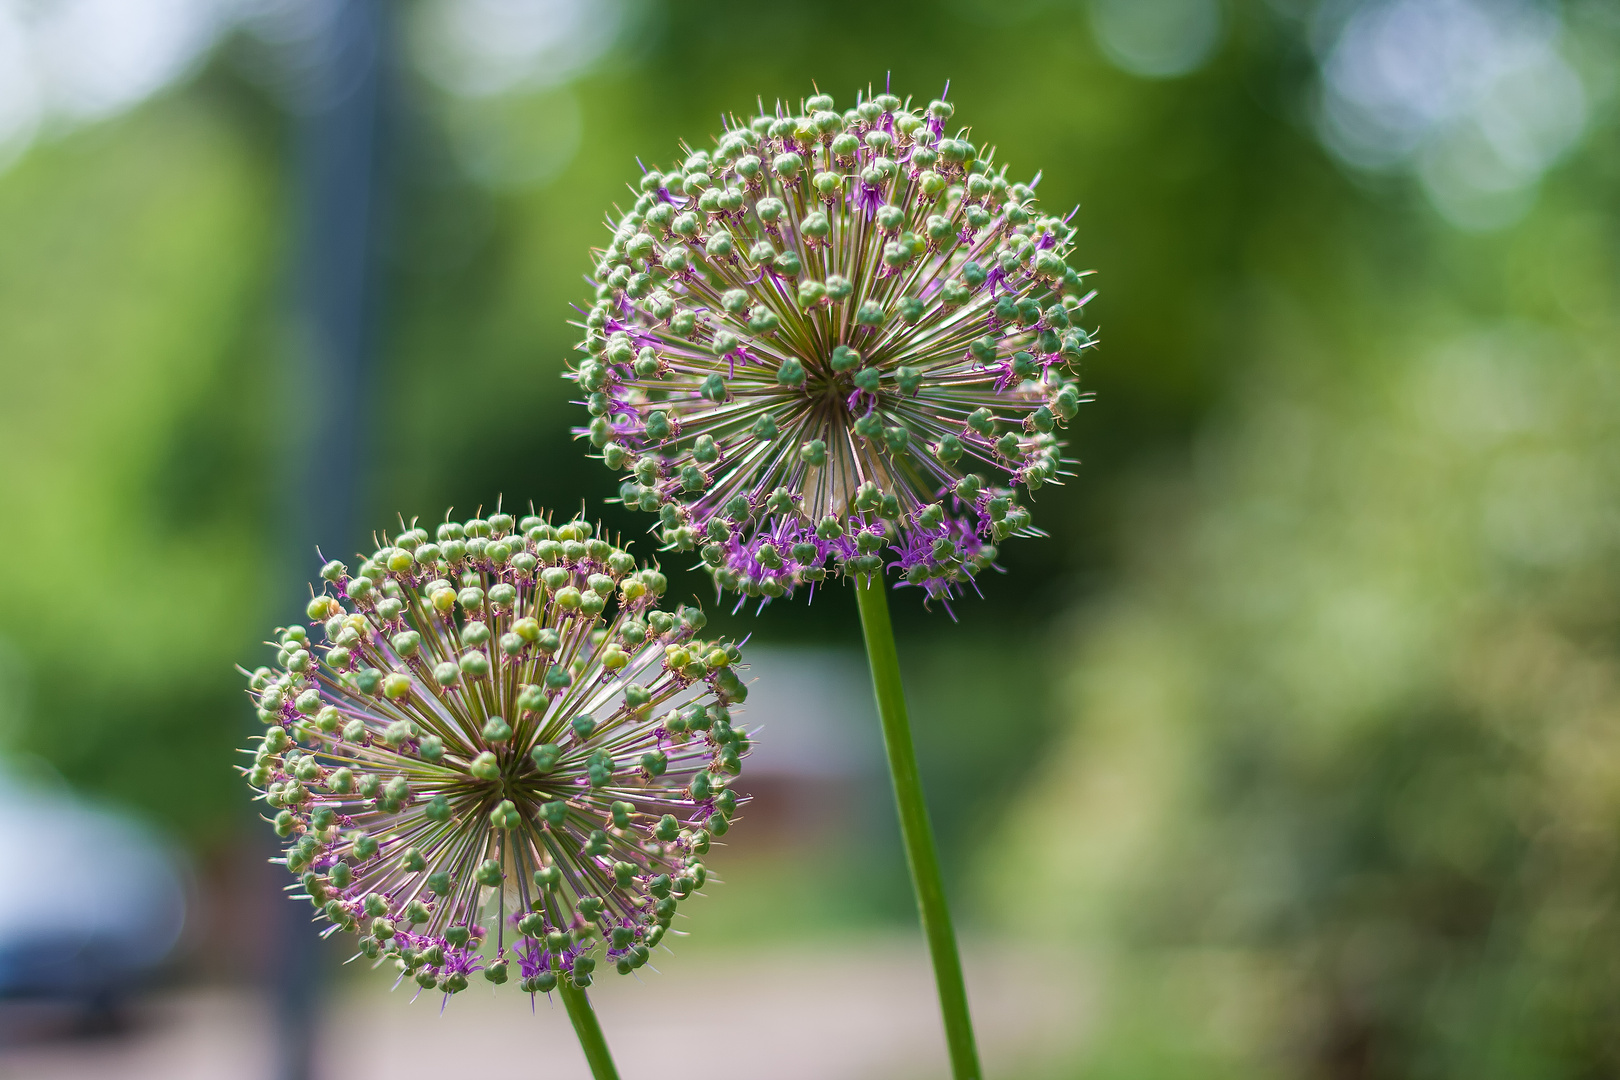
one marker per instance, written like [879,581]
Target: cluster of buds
[838,341]
[501,754]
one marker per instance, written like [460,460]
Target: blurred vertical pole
[339,150]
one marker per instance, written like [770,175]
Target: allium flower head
[484,767]
[836,341]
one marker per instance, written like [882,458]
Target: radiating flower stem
[834,344]
[589,1030]
[918,835]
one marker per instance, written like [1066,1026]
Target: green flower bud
[788,264]
[397,790]
[505,815]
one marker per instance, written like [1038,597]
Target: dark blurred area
[1294,751]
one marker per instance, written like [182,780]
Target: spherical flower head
[503,757]
[835,342]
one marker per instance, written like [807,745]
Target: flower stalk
[836,345]
[916,832]
[490,753]
[589,1031]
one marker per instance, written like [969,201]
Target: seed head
[503,754]
[837,341]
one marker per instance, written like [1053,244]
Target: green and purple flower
[835,342]
[503,755]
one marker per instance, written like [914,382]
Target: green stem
[916,832]
[588,1029]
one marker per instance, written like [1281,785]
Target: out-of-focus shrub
[1342,792]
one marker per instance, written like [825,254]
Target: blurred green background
[1303,728]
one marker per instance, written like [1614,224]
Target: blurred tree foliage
[1341,789]
[1169,179]
[137,281]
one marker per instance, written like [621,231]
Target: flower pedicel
[483,770]
[835,335]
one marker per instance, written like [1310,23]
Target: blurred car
[91,901]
